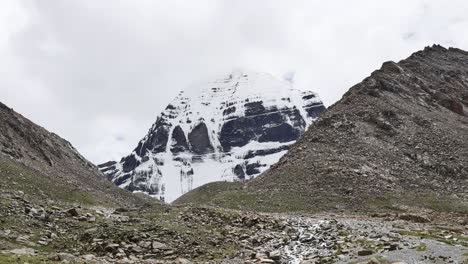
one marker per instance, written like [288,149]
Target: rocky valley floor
[34,231]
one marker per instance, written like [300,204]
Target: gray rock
[73,212]
[266,261]
[414,218]
[20,251]
[66,257]
[183,261]
[112,248]
[158,245]
[275,255]
[365,252]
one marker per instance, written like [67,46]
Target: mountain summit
[231,129]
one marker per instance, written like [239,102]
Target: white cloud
[99,72]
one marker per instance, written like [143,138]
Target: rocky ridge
[397,140]
[36,161]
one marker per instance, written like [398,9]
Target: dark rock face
[266,152]
[239,172]
[155,142]
[314,110]
[107,164]
[229,111]
[157,139]
[261,124]
[200,140]
[255,108]
[179,141]
[253,168]
[235,133]
[280,133]
[140,183]
[129,163]
[123,178]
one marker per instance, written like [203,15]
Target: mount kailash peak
[231,129]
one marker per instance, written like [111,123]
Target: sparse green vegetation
[15,259]
[20,178]
[439,235]
[421,247]
[238,196]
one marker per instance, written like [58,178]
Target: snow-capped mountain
[231,129]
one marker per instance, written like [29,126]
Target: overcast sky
[98,72]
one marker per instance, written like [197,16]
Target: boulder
[73,212]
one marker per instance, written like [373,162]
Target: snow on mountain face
[228,130]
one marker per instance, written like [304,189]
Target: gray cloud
[99,72]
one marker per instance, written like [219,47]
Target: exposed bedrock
[200,140]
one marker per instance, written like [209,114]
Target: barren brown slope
[45,166]
[399,138]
